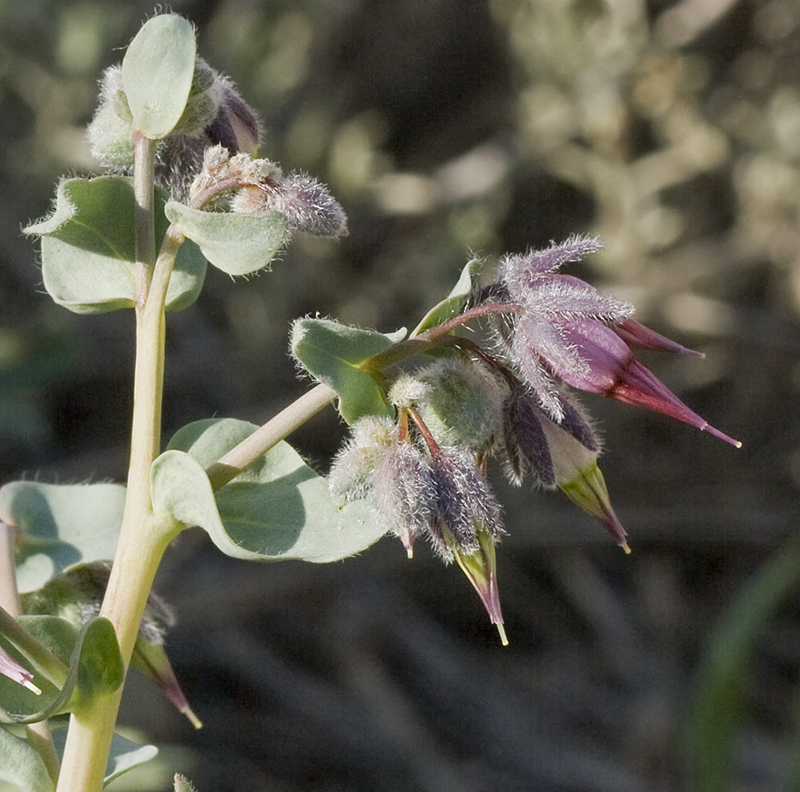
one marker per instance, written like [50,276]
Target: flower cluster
[423,474]
[212,150]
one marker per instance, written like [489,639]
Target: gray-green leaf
[88,248]
[157,73]
[61,525]
[334,353]
[277,509]
[238,244]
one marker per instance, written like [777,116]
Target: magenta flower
[610,369]
[10,668]
[567,332]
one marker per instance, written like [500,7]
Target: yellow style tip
[502,630]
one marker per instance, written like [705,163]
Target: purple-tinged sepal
[150,658]
[579,477]
[480,568]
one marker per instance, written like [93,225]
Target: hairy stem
[142,541]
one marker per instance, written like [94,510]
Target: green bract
[277,509]
[238,244]
[454,303]
[60,525]
[88,248]
[157,73]
[334,353]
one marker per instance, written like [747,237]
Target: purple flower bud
[307,205]
[403,493]
[236,126]
[525,441]
[464,504]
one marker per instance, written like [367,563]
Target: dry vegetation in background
[672,130]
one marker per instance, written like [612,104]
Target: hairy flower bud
[110,132]
[352,473]
[463,404]
[403,494]
[464,504]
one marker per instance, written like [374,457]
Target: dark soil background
[672,130]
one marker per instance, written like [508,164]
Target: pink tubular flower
[566,331]
[610,369]
[10,668]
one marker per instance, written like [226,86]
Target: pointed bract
[578,476]
[480,568]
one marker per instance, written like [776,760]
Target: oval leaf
[238,244]
[180,490]
[278,508]
[124,756]
[88,248]
[61,525]
[334,353]
[157,73]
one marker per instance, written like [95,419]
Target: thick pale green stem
[258,443]
[142,541]
[92,727]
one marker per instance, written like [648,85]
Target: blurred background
[445,128]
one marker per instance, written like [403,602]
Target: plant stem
[144,226]
[142,541]
[272,432]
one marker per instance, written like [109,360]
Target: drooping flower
[566,331]
[480,568]
[612,370]
[10,668]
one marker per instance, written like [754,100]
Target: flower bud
[578,476]
[464,504]
[480,568]
[352,473]
[403,494]
[463,405]
[110,132]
